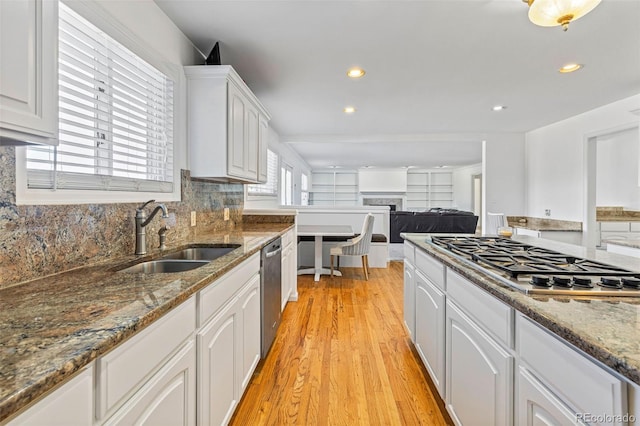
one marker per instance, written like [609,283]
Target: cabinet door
[429,328]
[263,145]
[287,259]
[217,367]
[168,398]
[252,147]
[237,128]
[28,70]
[479,374]
[250,319]
[71,404]
[409,300]
[537,406]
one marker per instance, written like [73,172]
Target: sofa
[436,220]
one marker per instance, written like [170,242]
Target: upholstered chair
[358,246]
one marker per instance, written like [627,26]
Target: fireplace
[395,204]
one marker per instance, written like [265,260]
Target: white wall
[556,160]
[463,186]
[503,174]
[287,155]
[617,169]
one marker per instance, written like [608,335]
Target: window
[115,118]
[304,190]
[269,188]
[286,185]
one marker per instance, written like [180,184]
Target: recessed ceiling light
[499,107]
[570,68]
[349,110]
[355,72]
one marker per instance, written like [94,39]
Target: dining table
[318,232]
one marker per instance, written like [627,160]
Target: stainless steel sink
[207,253]
[164,266]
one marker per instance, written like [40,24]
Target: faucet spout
[142,221]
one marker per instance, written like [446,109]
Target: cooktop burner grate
[516,258]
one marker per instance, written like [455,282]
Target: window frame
[95,14]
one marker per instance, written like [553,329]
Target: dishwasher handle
[273,252]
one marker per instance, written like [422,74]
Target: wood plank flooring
[342,357]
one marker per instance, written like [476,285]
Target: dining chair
[358,246]
[494,221]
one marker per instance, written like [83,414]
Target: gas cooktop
[536,270]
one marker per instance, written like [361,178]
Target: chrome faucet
[142,221]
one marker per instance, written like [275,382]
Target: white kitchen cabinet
[70,404]
[168,398]
[289,266]
[429,328]
[29,71]
[537,406]
[410,299]
[228,341]
[249,309]
[263,145]
[479,373]
[126,369]
[578,382]
[226,125]
[218,366]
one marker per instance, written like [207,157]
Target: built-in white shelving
[334,188]
[428,189]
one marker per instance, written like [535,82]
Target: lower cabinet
[168,398]
[70,404]
[410,300]
[229,346]
[289,267]
[429,328]
[479,376]
[537,406]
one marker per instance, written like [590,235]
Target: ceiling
[434,70]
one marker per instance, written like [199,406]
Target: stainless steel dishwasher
[270,293]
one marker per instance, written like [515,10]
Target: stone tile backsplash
[40,240]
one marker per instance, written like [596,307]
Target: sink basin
[207,253]
[164,266]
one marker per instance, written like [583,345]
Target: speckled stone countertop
[631,242]
[616,214]
[541,224]
[608,329]
[53,326]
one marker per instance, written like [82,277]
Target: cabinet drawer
[409,252]
[615,226]
[580,383]
[213,297]
[431,268]
[495,316]
[123,370]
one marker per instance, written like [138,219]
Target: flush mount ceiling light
[355,72]
[570,68]
[550,13]
[349,110]
[499,108]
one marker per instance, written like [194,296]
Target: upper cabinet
[227,125]
[28,72]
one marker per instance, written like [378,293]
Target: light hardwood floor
[342,357]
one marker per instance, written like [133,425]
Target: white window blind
[115,117]
[271,186]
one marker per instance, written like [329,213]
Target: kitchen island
[53,327]
[521,338]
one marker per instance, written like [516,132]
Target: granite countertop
[53,326]
[616,214]
[541,224]
[608,328]
[631,242]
